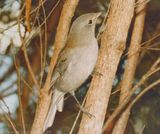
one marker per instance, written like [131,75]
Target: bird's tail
[56,105]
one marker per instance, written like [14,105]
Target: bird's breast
[81,65]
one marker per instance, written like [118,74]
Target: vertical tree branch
[19,95]
[112,46]
[60,40]
[123,105]
[131,65]
[27,12]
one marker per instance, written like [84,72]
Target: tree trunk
[112,46]
[133,57]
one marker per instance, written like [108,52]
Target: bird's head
[85,24]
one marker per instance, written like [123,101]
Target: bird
[75,63]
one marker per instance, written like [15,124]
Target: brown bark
[61,35]
[51,24]
[133,56]
[112,46]
[153,69]
[26,91]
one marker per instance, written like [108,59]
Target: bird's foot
[85,111]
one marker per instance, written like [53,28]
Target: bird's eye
[90,22]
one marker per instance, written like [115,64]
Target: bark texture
[61,36]
[112,46]
[133,57]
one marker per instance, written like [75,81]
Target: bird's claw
[86,112]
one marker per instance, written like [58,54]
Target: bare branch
[60,40]
[112,46]
[130,69]
[126,100]
[19,95]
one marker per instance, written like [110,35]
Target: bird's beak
[97,14]
[95,17]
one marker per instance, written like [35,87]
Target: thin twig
[22,18]
[103,26]
[41,54]
[19,95]
[45,39]
[25,54]
[60,40]
[26,83]
[30,68]
[144,91]
[10,121]
[77,117]
[132,91]
[143,44]
[27,13]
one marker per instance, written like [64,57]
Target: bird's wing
[64,60]
[62,65]
[58,96]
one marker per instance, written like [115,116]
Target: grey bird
[75,64]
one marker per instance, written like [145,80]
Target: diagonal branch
[130,69]
[60,40]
